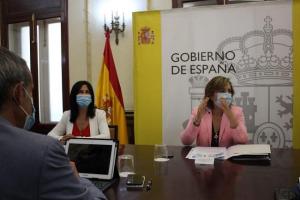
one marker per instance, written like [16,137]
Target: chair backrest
[113,129]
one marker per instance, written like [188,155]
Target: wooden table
[179,178]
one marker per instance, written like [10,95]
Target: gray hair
[13,69]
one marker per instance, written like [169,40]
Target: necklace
[216,125]
[215,137]
[216,134]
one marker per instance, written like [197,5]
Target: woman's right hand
[66,138]
[201,110]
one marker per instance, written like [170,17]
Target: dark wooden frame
[179,3]
[14,11]
[130,125]
[113,129]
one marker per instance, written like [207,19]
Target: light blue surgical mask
[83,100]
[30,118]
[227,96]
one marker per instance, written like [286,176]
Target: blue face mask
[227,96]
[30,119]
[83,100]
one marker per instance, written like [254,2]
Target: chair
[113,129]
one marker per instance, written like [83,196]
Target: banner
[252,44]
[147,78]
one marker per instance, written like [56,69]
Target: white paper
[204,152]
[205,161]
[222,152]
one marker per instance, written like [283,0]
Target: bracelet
[195,123]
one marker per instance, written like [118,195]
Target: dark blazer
[34,166]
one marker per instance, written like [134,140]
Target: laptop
[95,160]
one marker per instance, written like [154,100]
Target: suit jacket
[35,166]
[98,126]
[227,135]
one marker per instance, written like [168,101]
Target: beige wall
[77,41]
[160,4]
[86,41]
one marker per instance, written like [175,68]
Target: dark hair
[73,104]
[13,69]
[214,85]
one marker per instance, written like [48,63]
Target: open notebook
[95,159]
[242,152]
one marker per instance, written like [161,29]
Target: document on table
[204,152]
[254,150]
[243,151]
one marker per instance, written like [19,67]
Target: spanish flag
[109,94]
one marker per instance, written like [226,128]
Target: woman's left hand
[226,109]
[66,137]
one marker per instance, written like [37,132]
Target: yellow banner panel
[147,77]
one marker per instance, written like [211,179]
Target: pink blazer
[203,133]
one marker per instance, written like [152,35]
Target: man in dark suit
[32,166]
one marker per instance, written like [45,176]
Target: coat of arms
[146,36]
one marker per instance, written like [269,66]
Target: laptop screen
[94,158]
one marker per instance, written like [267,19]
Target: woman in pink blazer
[216,122]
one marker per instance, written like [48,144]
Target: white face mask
[227,96]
